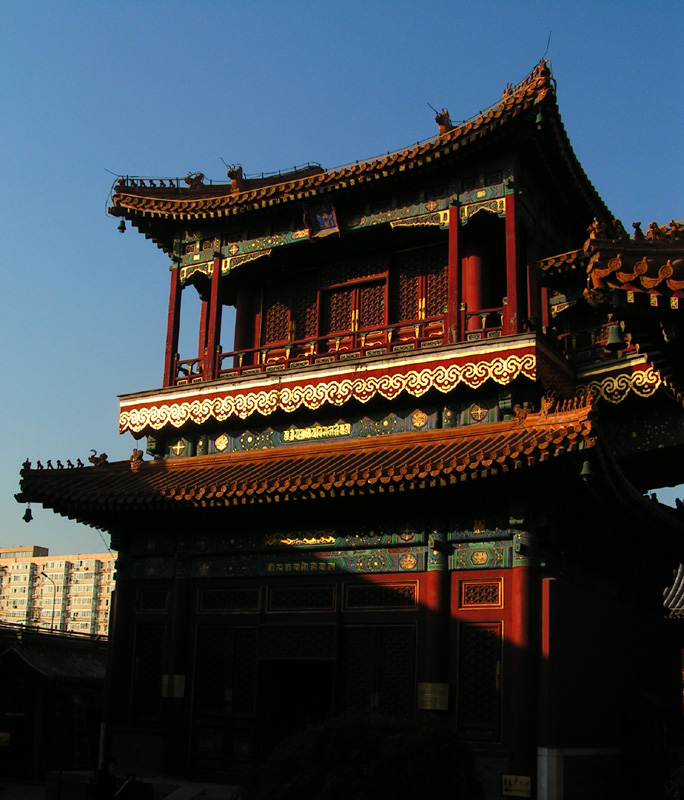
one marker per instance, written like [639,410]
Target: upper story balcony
[407,336]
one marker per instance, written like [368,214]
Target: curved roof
[297,472]
[145,201]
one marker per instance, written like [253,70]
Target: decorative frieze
[414,374]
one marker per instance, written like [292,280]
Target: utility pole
[54,597]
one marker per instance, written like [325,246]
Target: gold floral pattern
[333,392]
[615,388]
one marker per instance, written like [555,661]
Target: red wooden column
[433,694]
[475,282]
[511,320]
[522,641]
[453,332]
[204,321]
[172,327]
[214,331]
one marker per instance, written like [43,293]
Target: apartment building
[65,593]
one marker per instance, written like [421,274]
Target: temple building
[416,481]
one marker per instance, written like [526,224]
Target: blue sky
[161,89]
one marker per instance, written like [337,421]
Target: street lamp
[54,597]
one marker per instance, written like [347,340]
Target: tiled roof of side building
[56,657]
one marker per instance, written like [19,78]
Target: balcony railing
[331,348]
[487,323]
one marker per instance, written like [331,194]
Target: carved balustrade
[485,323]
[410,335]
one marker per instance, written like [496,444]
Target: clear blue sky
[166,88]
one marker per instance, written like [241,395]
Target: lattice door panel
[479,680]
[396,673]
[419,279]
[436,281]
[224,698]
[276,314]
[405,288]
[306,311]
[371,298]
[212,674]
[337,310]
[358,668]
[147,675]
[377,667]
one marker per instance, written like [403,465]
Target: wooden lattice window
[475,594]
[405,288]
[419,284]
[229,600]
[301,598]
[371,305]
[296,642]
[354,307]
[306,309]
[337,310]
[277,317]
[354,270]
[381,596]
[479,680]
[436,282]
[152,600]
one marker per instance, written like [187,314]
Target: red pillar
[511,320]
[172,327]
[436,608]
[522,676]
[214,331]
[475,280]
[453,332]
[204,320]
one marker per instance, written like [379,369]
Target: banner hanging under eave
[320,220]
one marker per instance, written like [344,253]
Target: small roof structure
[52,657]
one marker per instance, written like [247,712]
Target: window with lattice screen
[479,680]
[276,324]
[355,307]
[418,284]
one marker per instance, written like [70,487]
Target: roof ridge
[539,81]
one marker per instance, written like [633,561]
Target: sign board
[516,786]
[433,696]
